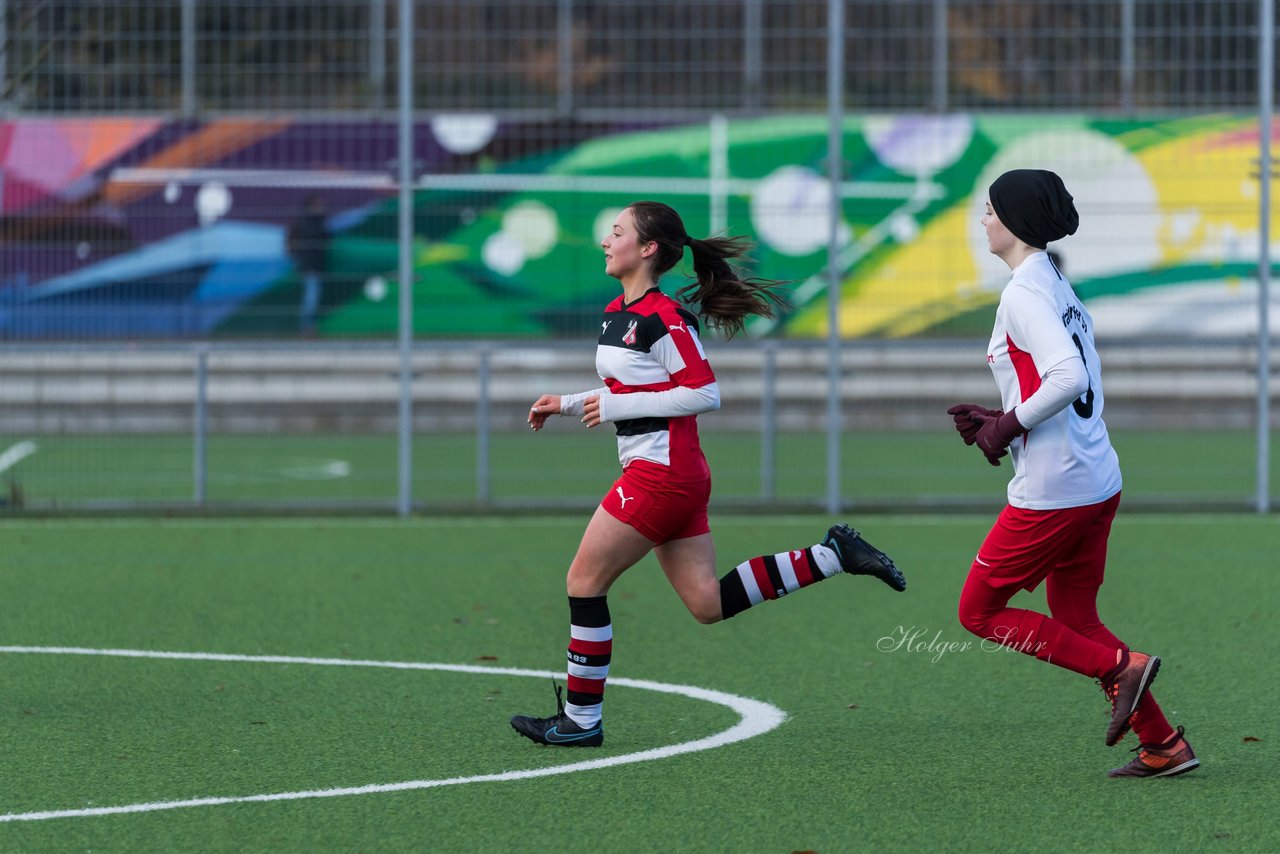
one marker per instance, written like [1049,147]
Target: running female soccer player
[657,381]
[1066,476]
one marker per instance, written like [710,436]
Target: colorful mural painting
[142,228]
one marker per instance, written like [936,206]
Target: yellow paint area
[1208,190]
[917,286]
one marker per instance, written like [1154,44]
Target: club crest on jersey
[630,337]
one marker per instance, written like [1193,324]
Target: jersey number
[1083,408]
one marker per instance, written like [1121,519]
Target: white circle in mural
[172,192]
[213,202]
[904,228]
[790,210]
[464,133]
[918,145]
[1120,217]
[533,225]
[82,250]
[375,289]
[503,254]
[604,223]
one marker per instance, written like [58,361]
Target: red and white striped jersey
[652,345]
[1066,460]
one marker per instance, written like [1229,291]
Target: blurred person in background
[308,244]
[657,381]
[1066,480]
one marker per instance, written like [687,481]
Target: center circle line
[755,718]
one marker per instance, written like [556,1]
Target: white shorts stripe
[749,583]
[584,672]
[788,572]
[590,633]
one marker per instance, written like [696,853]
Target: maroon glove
[994,459]
[963,416]
[996,434]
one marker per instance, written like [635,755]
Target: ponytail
[719,295]
[723,297]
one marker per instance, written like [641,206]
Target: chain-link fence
[200,253]
[576,56]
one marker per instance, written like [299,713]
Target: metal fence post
[484,409]
[188,58]
[1128,33]
[835,172]
[1266,70]
[752,54]
[200,463]
[564,57]
[378,51]
[404,501]
[941,59]
[4,54]
[718,161]
[769,422]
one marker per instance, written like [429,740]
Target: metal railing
[255,415]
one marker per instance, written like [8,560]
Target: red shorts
[1025,546]
[659,509]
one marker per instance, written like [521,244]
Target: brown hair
[724,298]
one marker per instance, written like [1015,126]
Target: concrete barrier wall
[258,388]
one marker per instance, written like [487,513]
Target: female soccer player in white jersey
[1066,476]
[657,381]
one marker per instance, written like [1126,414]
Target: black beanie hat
[1034,205]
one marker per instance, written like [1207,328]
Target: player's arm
[559,404]
[671,403]
[677,348]
[1060,384]
[1034,327]
[1063,377]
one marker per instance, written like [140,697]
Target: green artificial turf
[565,465]
[928,745]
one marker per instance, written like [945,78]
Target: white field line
[319,470]
[757,718]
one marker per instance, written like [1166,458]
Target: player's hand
[591,411]
[995,434]
[543,407]
[966,425]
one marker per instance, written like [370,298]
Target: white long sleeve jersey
[1045,363]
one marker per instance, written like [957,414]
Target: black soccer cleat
[559,730]
[858,557]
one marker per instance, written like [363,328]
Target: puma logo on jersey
[604,327]
[630,337]
[624,498]
[678,326]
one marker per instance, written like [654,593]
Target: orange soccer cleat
[1126,689]
[1173,757]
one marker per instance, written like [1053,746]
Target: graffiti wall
[144,228]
